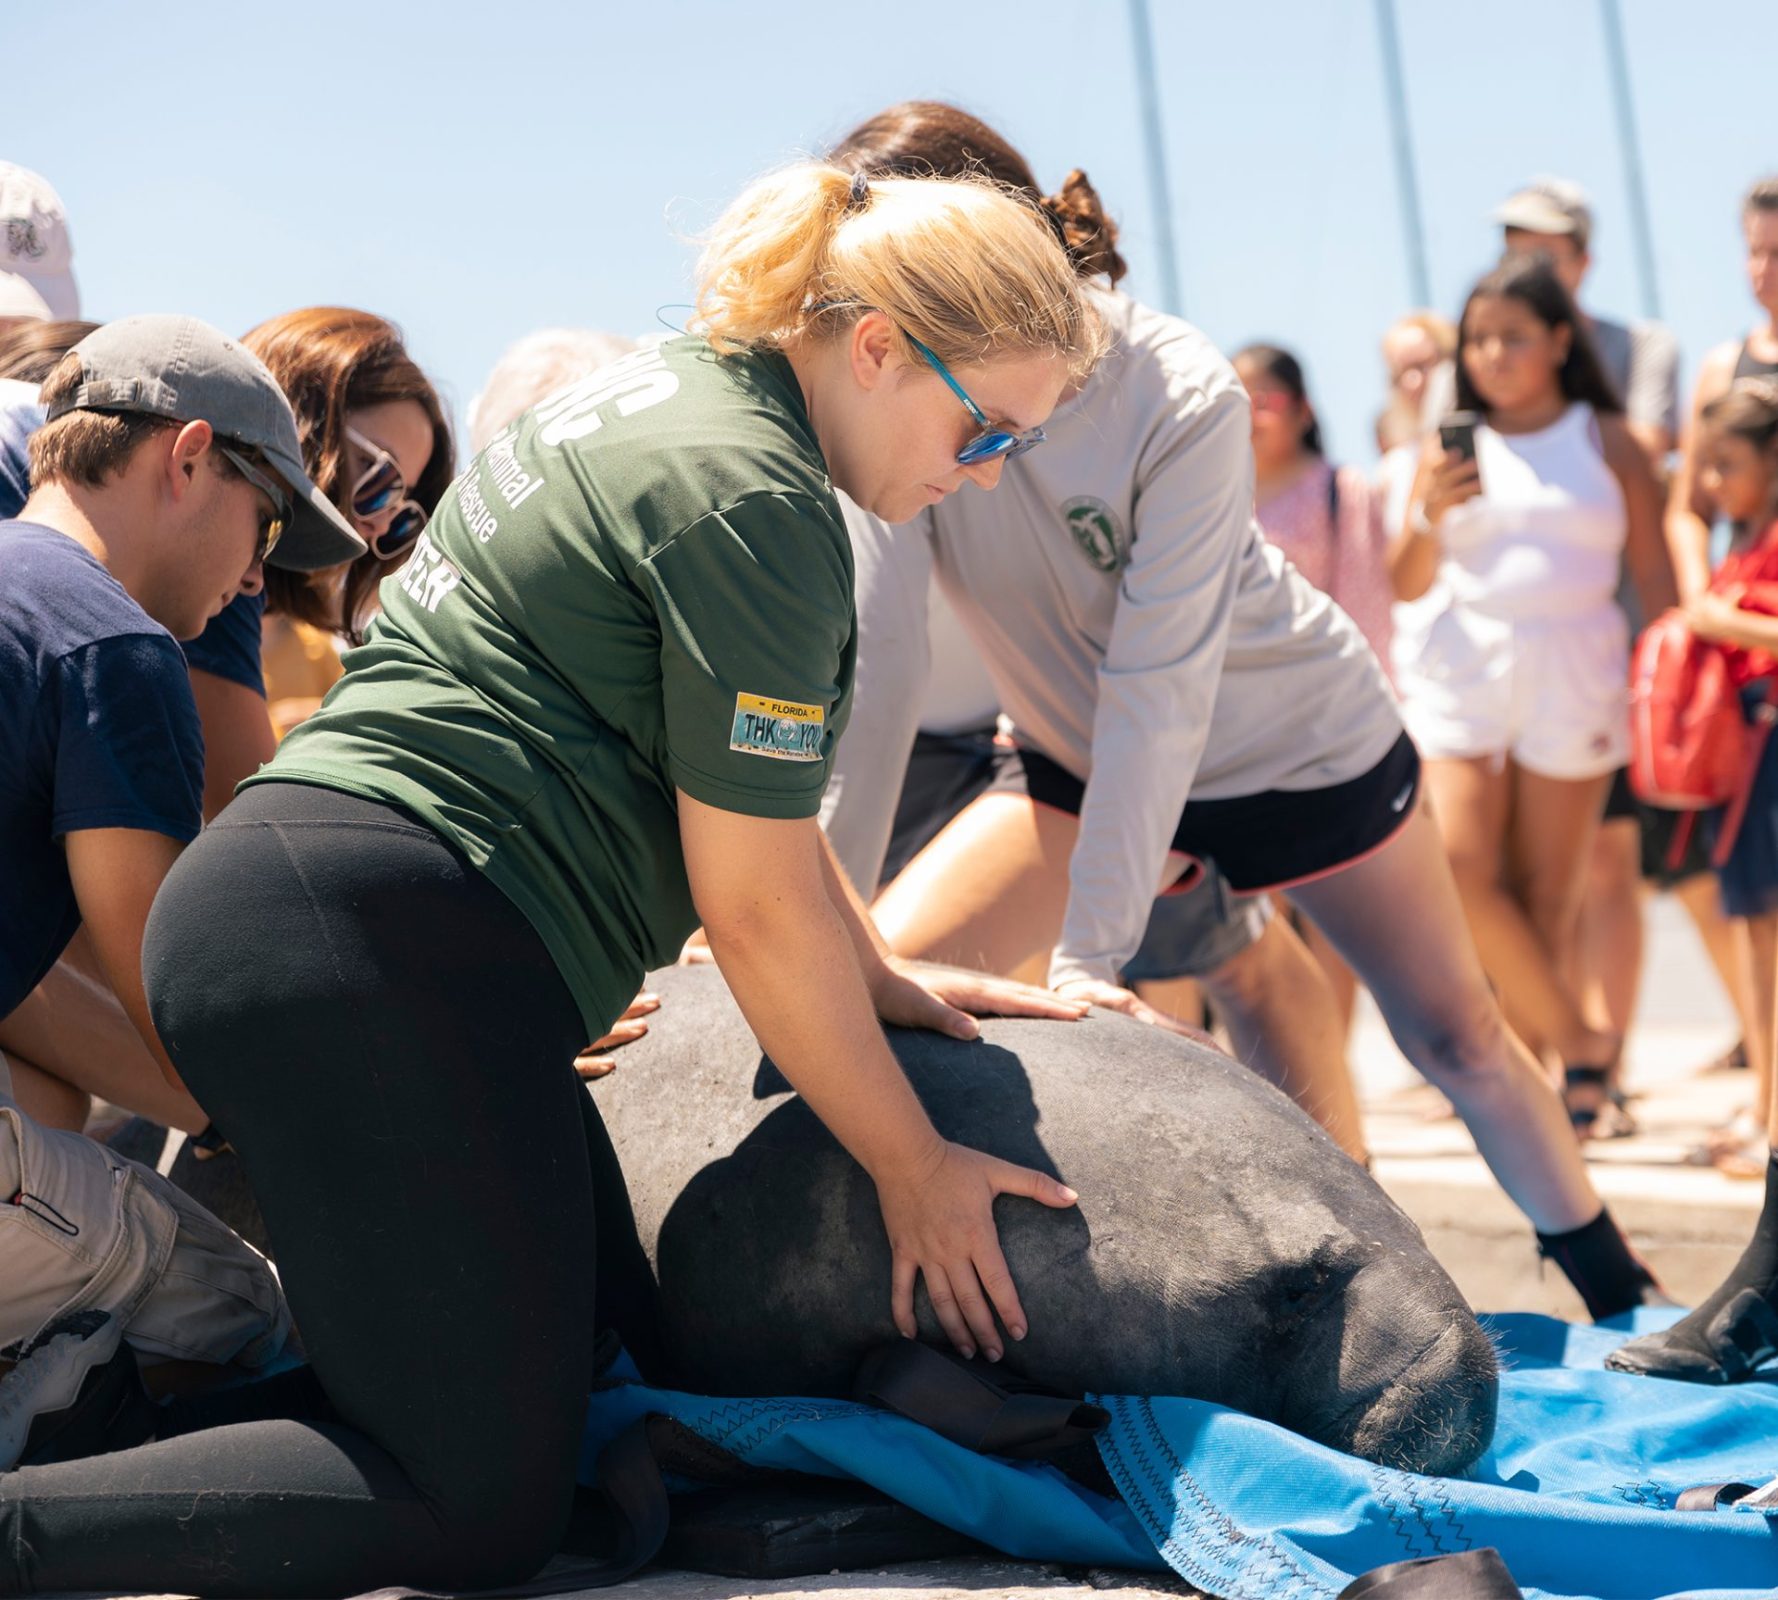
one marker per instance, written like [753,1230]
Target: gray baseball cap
[185,370]
[1549,205]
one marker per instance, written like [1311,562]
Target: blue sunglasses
[991,443]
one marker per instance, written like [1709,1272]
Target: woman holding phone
[604,689]
[1524,504]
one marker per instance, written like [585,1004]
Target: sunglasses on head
[271,528]
[379,487]
[991,443]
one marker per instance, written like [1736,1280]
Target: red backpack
[1688,739]
[1691,749]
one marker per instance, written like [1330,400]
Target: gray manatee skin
[1224,1247]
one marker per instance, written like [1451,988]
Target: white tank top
[1545,536]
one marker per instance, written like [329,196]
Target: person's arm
[894,573]
[1651,408]
[1718,617]
[1444,479]
[764,895]
[238,737]
[116,873]
[1644,549]
[1689,511]
[73,1029]
[1193,525]
[127,796]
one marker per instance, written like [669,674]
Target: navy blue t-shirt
[97,730]
[229,644]
[20,417]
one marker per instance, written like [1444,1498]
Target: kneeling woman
[606,686]
[1177,690]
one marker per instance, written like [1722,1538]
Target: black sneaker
[75,1391]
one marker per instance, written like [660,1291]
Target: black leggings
[389,1047]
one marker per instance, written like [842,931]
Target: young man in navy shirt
[167,473]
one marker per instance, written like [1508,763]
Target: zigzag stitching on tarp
[1135,1493]
[1381,1486]
[1649,1495]
[766,1418]
[1273,1565]
[1443,1495]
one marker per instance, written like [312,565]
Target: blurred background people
[1517,694]
[1329,521]
[36,251]
[533,367]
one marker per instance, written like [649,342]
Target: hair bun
[1087,234]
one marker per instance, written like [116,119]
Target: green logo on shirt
[1095,528]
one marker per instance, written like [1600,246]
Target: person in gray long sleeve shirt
[1176,691]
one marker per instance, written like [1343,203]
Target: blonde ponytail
[967,267]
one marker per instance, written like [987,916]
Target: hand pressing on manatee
[925,994]
[939,1213]
[811,975]
[1126,1002]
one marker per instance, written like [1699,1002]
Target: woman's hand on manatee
[595,1061]
[940,1221]
[1130,1004]
[921,994]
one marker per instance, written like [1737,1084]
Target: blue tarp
[1577,1491]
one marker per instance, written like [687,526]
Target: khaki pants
[82,1228]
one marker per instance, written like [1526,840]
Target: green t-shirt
[643,584]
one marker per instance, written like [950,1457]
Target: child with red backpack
[1736,1329]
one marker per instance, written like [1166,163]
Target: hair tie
[860,192]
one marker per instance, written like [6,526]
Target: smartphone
[1457,432]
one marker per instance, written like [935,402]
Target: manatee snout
[1420,1379]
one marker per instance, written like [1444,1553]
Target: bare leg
[1762,939]
[1397,918]
[1725,942]
[1608,962]
[1341,979]
[1283,1023]
[989,892]
[1474,805]
[1180,998]
[1549,848]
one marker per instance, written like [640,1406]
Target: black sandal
[1583,1118]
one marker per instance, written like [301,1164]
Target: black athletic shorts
[1262,841]
[1658,828]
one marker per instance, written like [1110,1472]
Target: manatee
[1224,1247]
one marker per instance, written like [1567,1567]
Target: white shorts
[1551,693]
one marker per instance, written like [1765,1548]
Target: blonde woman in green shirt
[598,708]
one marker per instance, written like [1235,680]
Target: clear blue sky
[475,171]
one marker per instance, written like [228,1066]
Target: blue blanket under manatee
[1577,1492]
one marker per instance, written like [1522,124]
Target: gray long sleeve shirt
[1138,629]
